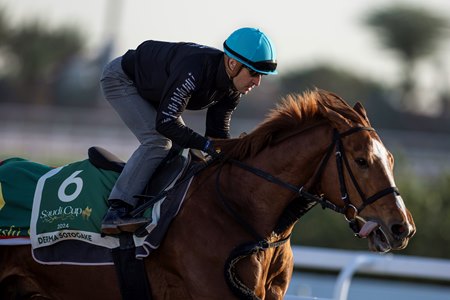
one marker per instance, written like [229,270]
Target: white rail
[345,276]
[347,263]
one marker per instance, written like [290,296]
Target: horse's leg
[267,272]
[16,283]
[280,273]
[276,288]
[21,278]
[183,270]
[17,287]
[165,285]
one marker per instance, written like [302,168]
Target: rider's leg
[139,115]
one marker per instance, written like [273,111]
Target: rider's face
[246,80]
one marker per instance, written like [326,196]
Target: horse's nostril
[399,230]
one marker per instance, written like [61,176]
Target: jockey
[151,86]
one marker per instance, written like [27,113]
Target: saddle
[170,169]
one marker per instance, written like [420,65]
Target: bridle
[244,250]
[342,163]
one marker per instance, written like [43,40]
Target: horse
[231,238]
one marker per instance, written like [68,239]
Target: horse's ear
[337,120]
[359,108]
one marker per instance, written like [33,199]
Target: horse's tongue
[367,228]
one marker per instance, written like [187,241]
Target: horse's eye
[362,163]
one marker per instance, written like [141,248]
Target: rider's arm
[218,117]
[173,104]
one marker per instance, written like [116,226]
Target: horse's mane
[294,113]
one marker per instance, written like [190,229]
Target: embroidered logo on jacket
[179,99]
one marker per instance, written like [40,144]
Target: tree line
[36,59]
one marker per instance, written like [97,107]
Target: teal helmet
[252,48]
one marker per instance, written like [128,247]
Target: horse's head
[358,177]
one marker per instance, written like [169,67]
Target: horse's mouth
[378,240]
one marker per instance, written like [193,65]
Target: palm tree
[412,32]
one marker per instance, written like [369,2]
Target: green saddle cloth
[18,178]
[59,211]
[53,204]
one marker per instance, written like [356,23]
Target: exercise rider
[151,86]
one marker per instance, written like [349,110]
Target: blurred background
[393,56]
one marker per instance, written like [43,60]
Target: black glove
[210,149]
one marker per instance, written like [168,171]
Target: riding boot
[118,219]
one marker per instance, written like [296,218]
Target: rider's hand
[211,150]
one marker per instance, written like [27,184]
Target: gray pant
[139,115]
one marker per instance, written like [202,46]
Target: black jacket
[179,76]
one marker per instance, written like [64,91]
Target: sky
[305,32]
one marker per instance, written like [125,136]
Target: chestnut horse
[230,239]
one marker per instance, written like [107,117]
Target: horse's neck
[294,161]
